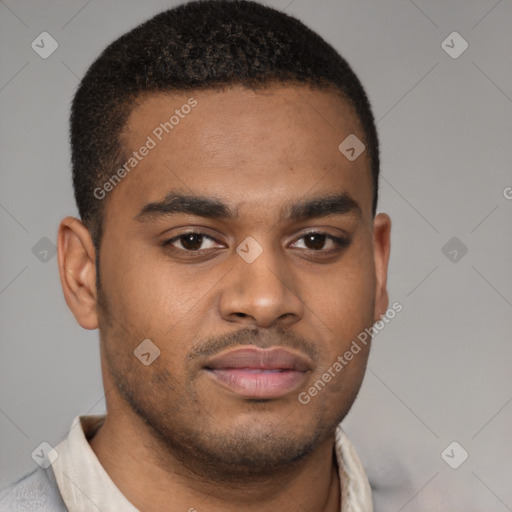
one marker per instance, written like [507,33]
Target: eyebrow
[322,207]
[173,203]
[213,208]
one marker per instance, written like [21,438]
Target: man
[225,166]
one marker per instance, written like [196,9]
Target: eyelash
[340,243]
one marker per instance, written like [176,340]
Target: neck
[152,478]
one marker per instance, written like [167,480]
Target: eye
[317,241]
[313,242]
[191,242]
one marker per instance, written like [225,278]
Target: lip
[259,373]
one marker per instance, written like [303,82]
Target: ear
[77,271]
[381,247]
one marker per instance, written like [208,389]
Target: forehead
[245,146]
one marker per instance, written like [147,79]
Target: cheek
[154,299]
[343,296]
[143,289]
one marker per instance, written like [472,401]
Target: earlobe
[382,248]
[76,258]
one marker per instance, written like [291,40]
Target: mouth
[259,373]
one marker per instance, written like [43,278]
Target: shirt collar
[85,486]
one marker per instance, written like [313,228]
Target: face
[243,246]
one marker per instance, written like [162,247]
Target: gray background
[439,372]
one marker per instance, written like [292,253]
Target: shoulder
[34,491]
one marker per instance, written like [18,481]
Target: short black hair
[206,44]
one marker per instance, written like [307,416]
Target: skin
[191,442]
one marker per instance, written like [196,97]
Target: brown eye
[323,243]
[192,241]
[315,241]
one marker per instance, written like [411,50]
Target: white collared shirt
[85,486]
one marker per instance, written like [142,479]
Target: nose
[262,293]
